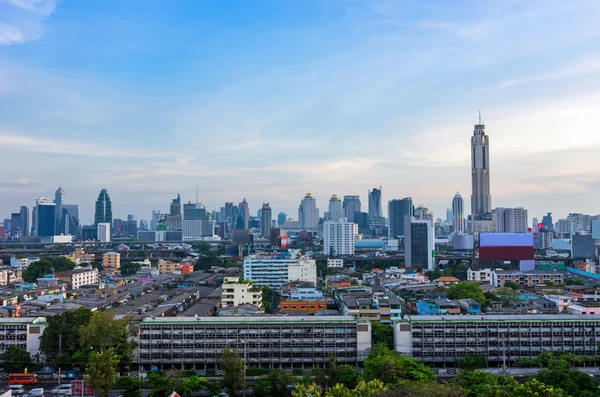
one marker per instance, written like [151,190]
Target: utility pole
[59,352]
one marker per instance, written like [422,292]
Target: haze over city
[271,100]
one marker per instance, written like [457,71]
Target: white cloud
[21,20]
[575,67]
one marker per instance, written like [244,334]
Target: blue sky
[269,100]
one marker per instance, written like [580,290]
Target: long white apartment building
[274,271]
[22,332]
[443,340]
[339,237]
[235,292]
[288,343]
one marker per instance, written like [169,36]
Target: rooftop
[518,318]
[258,319]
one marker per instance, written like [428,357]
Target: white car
[63,389]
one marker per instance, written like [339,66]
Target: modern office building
[443,340]
[45,218]
[15,224]
[103,233]
[103,212]
[281,218]
[510,220]
[419,248]
[308,214]
[458,215]
[362,221]
[288,343]
[375,209]
[59,200]
[265,222]
[547,221]
[274,271]
[481,199]
[24,221]
[175,206]
[583,247]
[449,213]
[398,211]
[245,213]
[351,205]
[235,292]
[335,209]
[339,237]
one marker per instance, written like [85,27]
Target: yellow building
[165,267]
[80,256]
[111,260]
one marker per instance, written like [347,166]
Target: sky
[269,100]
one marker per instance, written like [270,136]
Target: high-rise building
[45,217]
[308,214]
[448,215]
[547,221]
[398,210]
[339,237]
[245,213]
[534,223]
[24,221]
[69,219]
[423,213]
[335,209]
[175,207]
[375,209]
[281,218]
[144,225]
[15,224]
[419,248]
[582,220]
[481,199]
[103,212]
[351,206]
[265,223]
[59,199]
[362,221]
[458,217]
[103,232]
[510,220]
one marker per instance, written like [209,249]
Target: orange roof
[377,270]
[447,279]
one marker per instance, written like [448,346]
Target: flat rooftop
[255,320]
[509,317]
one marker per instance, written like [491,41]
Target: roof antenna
[480,117]
[196,196]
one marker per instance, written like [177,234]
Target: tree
[268,298]
[310,390]
[363,389]
[389,367]
[132,387]
[16,359]
[572,382]
[479,383]
[161,385]
[412,389]
[273,385]
[193,384]
[233,366]
[39,269]
[348,376]
[103,332]
[466,290]
[512,285]
[102,371]
[574,281]
[129,268]
[62,333]
[535,388]
[382,333]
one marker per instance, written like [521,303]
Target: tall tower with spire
[59,199]
[175,207]
[481,199]
[245,212]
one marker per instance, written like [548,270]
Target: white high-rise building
[339,237]
[335,209]
[308,214]
[235,293]
[458,217]
[104,232]
[510,220]
[273,272]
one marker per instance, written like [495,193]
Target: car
[64,388]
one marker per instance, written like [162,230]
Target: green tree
[39,269]
[233,366]
[574,383]
[461,271]
[310,390]
[63,330]
[574,281]
[535,388]
[16,359]
[193,384]
[102,371]
[389,367]
[512,285]
[162,385]
[273,385]
[129,268]
[348,376]
[382,333]
[132,387]
[420,389]
[479,383]
[362,389]
[103,332]
[269,296]
[466,290]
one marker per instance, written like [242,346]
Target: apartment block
[479,276]
[235,292]
[78,277]
[24,333]
[527,279]
[438,340]
[10,275]
[289,343]
[273,272]
[111,260]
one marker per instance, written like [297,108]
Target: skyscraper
[351,206]
[245,212]
[15,224]
[24,221]
[481,200]
[375,203]
[335,209]
[308,214]
[448,215]
[458,217]
[339,237]
[510,220]
[103,212]
[265,223]
[45,217]
[419,248]
[175,207]
[59,199]
[281,218]
[398,210]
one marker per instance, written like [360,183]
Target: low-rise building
[10,275]
[165,267]
[111,260]
[437,307]
[561,301]
[287,343]
[361,308]
[333,263]
[78,277]
[22,332]
[529,278]
[308,307]
[446,280]
[235,292]
[479,276]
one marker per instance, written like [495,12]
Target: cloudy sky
[269,100]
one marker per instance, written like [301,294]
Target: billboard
[506,246]
[582,247]
[80,388]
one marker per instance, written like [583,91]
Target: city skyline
[330,74]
